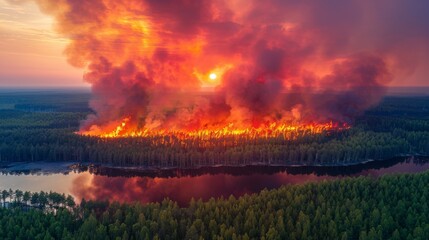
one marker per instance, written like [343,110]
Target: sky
[32,52]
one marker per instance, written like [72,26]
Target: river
[128,185]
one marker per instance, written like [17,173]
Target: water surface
[182,185]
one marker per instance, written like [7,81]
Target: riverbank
[123,185]
[112,170]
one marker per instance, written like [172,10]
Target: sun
[212,76]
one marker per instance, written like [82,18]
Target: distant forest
[390,207]
[41,126]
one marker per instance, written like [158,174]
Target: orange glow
[269,130]
[213,76]
[210,69]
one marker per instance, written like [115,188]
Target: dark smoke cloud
[277,60]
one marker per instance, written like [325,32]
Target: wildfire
[210,69]
[123,130]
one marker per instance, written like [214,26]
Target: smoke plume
[184,64]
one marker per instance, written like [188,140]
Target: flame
[271,130]
[209,69]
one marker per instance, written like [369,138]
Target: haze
[31,53]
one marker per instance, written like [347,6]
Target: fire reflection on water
[180,189]
[193,184]
[183,188]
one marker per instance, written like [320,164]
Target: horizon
[391,91]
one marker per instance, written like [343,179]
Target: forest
[41,126]
[389,207]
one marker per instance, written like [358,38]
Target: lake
[128,185]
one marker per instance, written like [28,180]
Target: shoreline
[46,168]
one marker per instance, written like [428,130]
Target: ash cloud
[291,61]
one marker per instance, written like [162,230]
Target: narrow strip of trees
[42,200]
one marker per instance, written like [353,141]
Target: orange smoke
[218,67]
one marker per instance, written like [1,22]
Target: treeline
[59,100]
[42,200]
[390,207]
[49,136]
[55,141]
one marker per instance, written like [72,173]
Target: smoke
[305,61]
